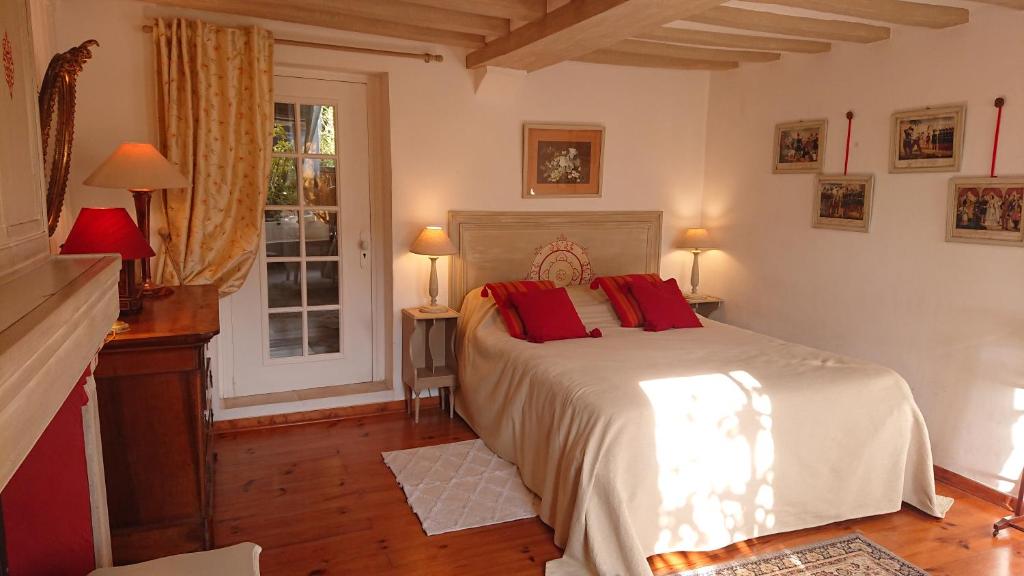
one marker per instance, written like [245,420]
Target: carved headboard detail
[563,261]
[567,248]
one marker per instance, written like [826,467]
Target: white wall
[451,147]
[949,317]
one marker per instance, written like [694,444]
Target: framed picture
[985,210]
[843,202]
[562,160]
[927,139]
[799,146]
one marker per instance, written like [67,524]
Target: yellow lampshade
[137,166]
[696,239]
[432,241]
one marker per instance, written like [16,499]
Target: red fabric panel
[500,291]
[46,514]
[625,305]
[663,306]
[548,315]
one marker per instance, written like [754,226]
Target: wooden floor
[319,500]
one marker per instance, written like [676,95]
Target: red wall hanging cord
[995,143]
[849,129]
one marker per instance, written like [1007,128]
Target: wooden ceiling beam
[324,15]
[413,13]
[801,26]
[522,10]
[646,48]
[891,11]
[618,58]
[726,40]
[1015,4]
[579,28]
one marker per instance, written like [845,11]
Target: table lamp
[696,240]
[111,231]
[433,242]
[140,168]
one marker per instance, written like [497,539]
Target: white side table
[704,304]
[422,373]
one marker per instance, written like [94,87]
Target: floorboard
[319,500]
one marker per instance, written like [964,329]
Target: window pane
[321,233]
[281,232]
[283,287]
[321,283]
[286,335]
[317,126]
[324,331]
[284,127]
[320,182]
[283,189]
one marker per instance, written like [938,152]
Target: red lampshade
[106,231]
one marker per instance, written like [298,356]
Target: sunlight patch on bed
[715,457]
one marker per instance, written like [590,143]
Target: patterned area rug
[852,555]
[461,485]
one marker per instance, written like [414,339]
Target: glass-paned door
[300,234]
[303,318]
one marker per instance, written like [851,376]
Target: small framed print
[799,147]
[562,160]
[927,139]
[985,210]
[843,202]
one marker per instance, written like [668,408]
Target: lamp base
[119,327]
[150,290]
[695,271]
[433,309]
[130,305]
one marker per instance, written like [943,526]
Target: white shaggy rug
[461,485]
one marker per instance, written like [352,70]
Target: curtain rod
[424,56]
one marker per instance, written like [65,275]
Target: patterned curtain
[216,113]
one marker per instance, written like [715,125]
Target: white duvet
[639,443]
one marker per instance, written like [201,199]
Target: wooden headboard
[565,247]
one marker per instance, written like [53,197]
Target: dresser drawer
[133,362]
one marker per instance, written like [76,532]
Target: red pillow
[549,315]
[622,301]
[501,290]
[663,306]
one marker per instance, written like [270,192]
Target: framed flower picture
[799,146]
[562,160]
[927,139]
[843,202]
[985,210]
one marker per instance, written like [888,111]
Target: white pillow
[594,308]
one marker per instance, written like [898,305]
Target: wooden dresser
[154,389]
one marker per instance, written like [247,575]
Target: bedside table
[419,371]
[703,304]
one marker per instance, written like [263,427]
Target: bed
[640,443]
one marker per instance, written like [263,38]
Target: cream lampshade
[696,240]
[140,168]
[137,166]
[433,242]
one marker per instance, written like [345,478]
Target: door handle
[364,250]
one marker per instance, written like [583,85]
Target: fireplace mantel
[53,320]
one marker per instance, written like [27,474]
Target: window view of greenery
[321,119]
[302,162]
[283,183]
[316,129]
